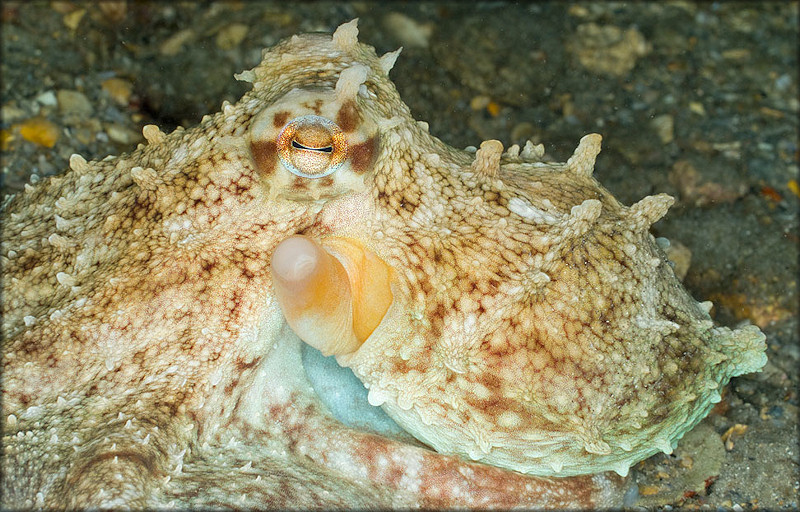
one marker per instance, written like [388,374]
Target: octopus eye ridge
[312,146]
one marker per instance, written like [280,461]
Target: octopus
[518,330]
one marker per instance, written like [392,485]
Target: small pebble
[62,6]
[664,126]
[113,11]
[522,132]
[410,32]
[47,98]
[697,108]
[86,132]
[119,90]
[121,134]
[648,490]
[681,258]
[608,49]
[231,36]
[736,54]
[579,11]
[6,137]
[174,44]
[794,187]
[73,103]
[73,19]
[493,108]
[40,131]
[479,102]
[783,82]
[11,113]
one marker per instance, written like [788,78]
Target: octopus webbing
[522,329]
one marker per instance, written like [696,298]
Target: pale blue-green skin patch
[345,396]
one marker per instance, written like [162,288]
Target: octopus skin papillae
[517,331]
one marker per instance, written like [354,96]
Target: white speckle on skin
[376,396]
[65,279]
[178,156]
[470,323]
[525,210]
[215,377]
[509,419]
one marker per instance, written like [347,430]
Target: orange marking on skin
[265,153]
[280,119]
[347,118]
[362,156]
[316,106]
[299,184]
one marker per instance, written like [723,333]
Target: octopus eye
[312,146]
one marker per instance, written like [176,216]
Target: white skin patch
[527,211]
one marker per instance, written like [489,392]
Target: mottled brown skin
[147,362]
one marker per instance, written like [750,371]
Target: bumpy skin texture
[535,325]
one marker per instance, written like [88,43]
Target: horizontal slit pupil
[326,149]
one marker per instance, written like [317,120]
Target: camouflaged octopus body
[535,324]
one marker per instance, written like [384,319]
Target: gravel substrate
[699,100]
